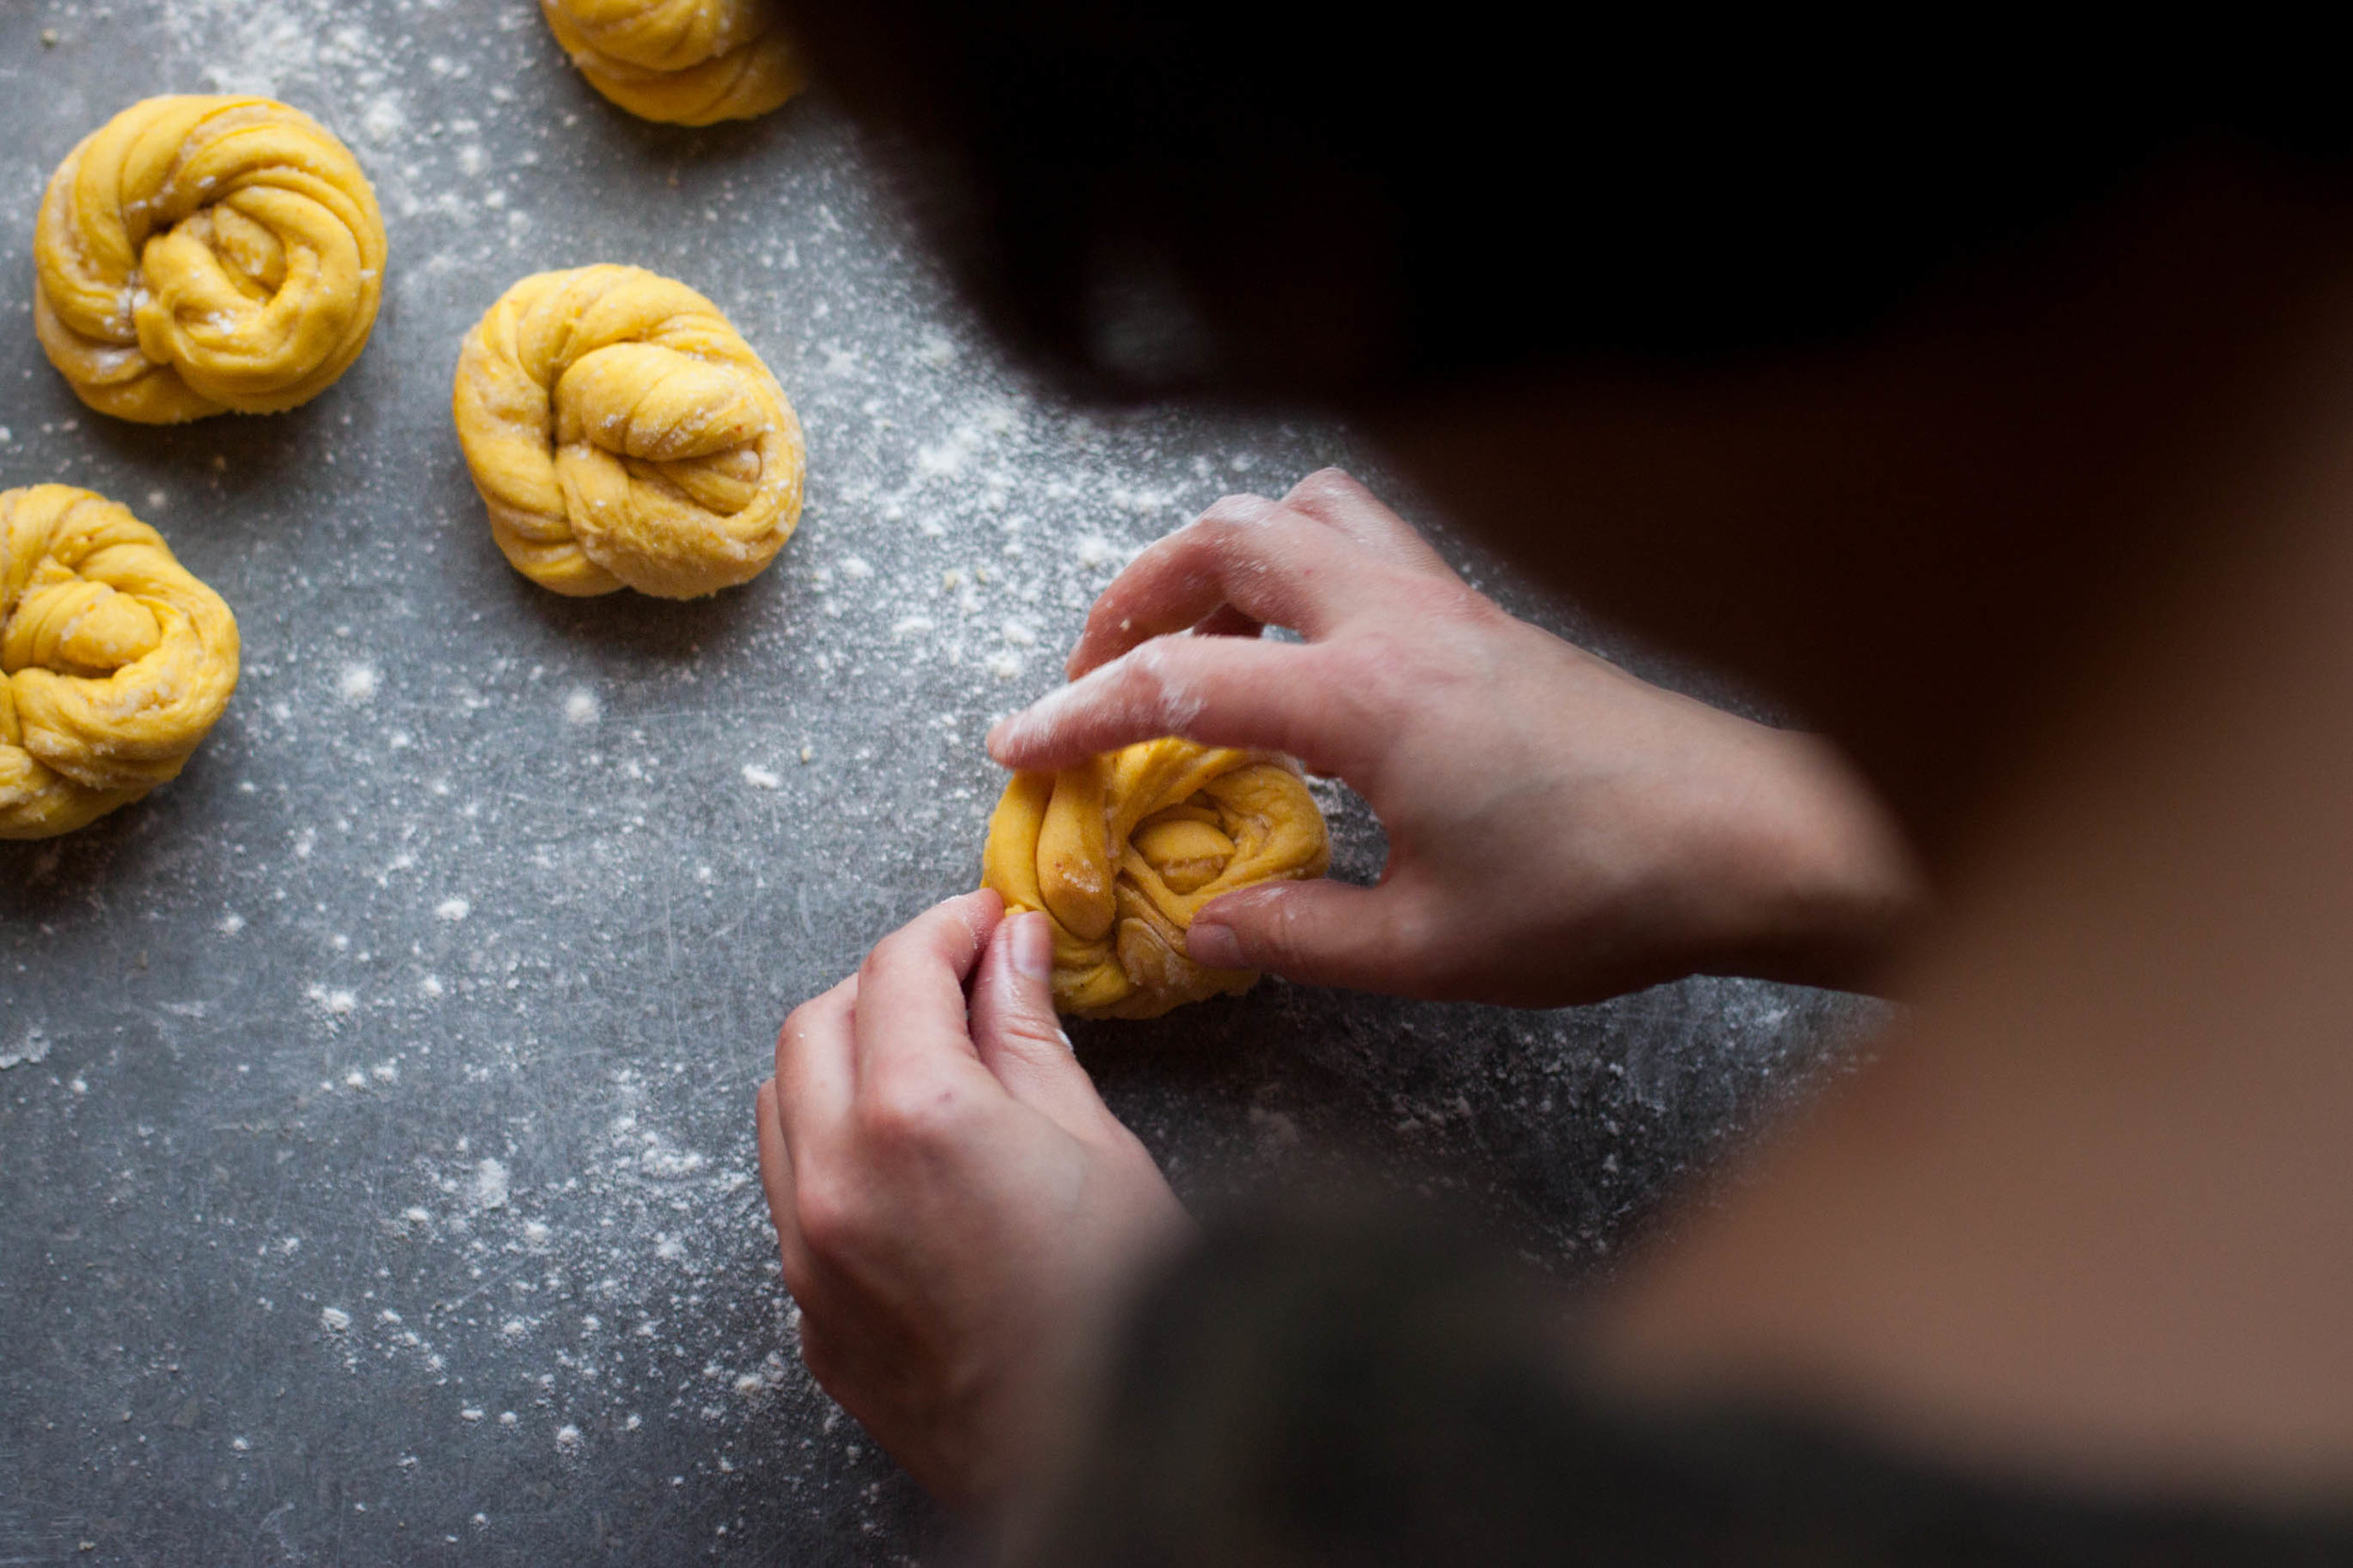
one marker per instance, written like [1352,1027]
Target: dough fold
[622,435]
[1122,850]
[688,63]
[114,661]
[197,255]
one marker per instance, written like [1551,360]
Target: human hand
[957,1207]
[1559,830]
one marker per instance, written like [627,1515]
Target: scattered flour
[383,121]
[32,1047]
[335,1003]
[491,1181]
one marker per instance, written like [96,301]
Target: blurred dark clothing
[1294,199]
[1342,1397]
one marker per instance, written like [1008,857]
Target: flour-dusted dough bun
[689,62]
[1122,850]
[196,255]
[623,436]
[114,661]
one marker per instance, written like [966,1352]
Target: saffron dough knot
[196,255]
[114,661]
[622,435]
[688,63]
[1122,850]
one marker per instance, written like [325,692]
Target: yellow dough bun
[1123,850]
[687,62]
[622,435]
[197,255]
[114,661]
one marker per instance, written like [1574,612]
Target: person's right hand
[1559,830]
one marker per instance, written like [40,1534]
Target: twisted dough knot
[621,434]
[114,661]
[1122,850]
[200,254]
[690,63]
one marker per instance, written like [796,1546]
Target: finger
[814,1075]
[910,994]
[1318,933]
[1246,552]
[1218,691]
[1020,1038]
[775,1179]
[1334,498]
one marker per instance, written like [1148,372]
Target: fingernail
[1214,946]
[1032,947]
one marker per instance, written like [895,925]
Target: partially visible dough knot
[199,254]
[114,661]
[1122,850]
[689,62]
[623,435]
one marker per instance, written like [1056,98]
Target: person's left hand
[957,1207]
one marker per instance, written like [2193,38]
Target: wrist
[1822,885]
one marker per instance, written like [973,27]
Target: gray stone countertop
[375,1163]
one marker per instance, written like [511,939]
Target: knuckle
[1230,513]
[1269,931]
[1143,675]
[798,1024]
[1465,605]
[828,1215]
[883,957]
[1037,1037]
[1328,483]
[911,1112]
[1109,612]
[792,1043]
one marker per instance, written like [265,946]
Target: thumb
[1018,1035]
[1322,933]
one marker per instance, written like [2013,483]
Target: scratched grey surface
[376,1178]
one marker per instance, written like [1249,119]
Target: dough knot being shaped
[1123,850]
[114,661]
[689,62]
[200,254]
[623,435]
